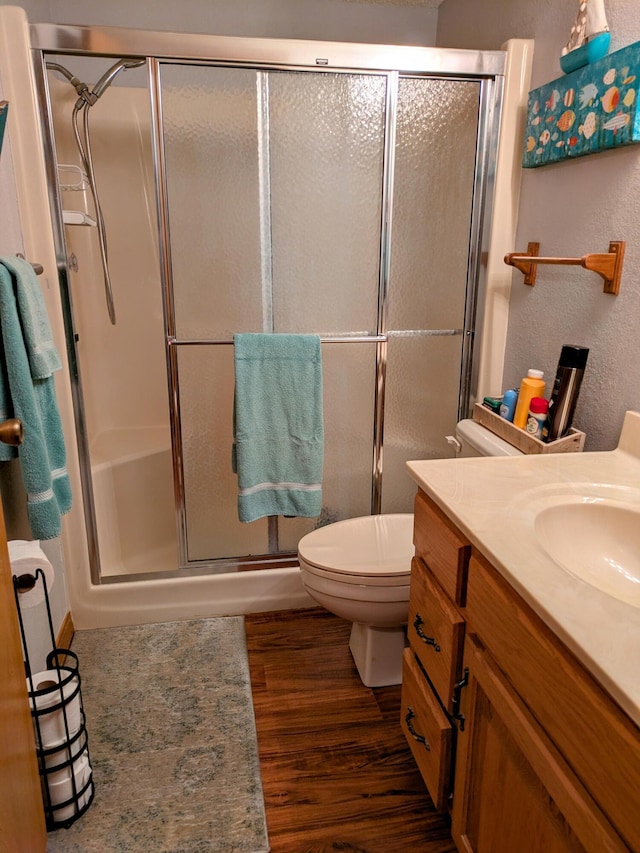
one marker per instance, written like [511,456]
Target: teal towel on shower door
[278,425]
[27,392]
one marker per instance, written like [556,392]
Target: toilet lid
[380,545]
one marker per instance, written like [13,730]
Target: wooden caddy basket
[573,442]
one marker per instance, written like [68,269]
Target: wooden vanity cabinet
[574,743]
[513,788]
[544,759]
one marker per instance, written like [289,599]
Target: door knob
[11,432]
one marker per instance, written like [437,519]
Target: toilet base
[377,653]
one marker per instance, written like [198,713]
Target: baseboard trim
[66,632]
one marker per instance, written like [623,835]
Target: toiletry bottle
[531,386]
[508,405]
[537,417]
[493,404]
[562,405]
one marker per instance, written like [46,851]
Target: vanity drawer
[435,631]
[439,543]
[571,707]
[427,731]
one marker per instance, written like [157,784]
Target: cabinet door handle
[409,716]
[418,622]
[455,702]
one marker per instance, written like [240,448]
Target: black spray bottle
[566,387]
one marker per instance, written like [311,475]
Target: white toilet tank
[475,440]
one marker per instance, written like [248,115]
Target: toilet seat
[373,550]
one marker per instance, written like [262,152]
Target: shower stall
[249,185]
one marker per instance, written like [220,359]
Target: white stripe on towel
[300,487]
[40,497]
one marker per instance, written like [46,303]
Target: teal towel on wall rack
[27,392]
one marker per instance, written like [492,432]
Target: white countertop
[493,499]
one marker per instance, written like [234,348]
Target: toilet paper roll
[61,778]
[58,761]
[25,558]
[51,722]
[61,790]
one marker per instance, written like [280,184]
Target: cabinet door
[22,828]
[513,790]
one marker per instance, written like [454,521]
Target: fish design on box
[587,95]
[617,122]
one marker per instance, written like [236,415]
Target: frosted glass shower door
[273,186]
[326,157]
[430,281]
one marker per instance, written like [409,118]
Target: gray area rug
[172,741]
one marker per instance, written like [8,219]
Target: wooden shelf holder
[572,442]
[608,265]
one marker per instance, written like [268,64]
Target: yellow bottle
[531,386]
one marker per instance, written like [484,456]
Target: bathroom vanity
[521,682]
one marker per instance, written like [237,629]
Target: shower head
[90,96]
[108,77]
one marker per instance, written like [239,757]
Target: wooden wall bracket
[608,265]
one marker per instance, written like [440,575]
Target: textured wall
[410,22]
[571,208]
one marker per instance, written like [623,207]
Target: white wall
[13,241]
[571,208]
[400,22]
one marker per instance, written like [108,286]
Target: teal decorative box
[592,109]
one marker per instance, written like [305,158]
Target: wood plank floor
[336,770]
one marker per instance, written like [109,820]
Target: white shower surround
[156,600]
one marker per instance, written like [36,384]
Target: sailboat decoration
[589,38]
[595,105]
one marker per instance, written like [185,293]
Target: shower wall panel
[124,365]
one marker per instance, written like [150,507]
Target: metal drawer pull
[455,706]
[418,622]
[414,734]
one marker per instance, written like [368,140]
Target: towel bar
[37,268]
[608,265]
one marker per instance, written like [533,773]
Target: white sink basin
[597,540]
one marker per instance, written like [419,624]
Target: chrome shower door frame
[485,67]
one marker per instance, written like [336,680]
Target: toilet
[360,569]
